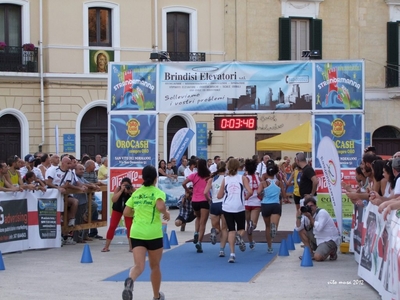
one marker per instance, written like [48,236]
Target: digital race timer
[235,123]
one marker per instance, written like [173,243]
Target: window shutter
[392,67]
[284,39]
[316,35]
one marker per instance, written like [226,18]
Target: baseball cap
[29,158]
[396,163]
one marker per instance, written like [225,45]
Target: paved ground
[58,274]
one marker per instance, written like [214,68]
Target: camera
[128,187]
[305,209]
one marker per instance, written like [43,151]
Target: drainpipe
[155,46]
[41,100]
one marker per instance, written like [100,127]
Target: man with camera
[317,230]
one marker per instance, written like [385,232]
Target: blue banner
[133,140]
[339,85]
[201,140]
[132,87]
[346,133]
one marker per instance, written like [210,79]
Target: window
[100,27]
[10,24]
[300,38]
[298,34]
[392,67]
[178,32]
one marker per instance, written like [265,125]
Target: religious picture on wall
[99,60]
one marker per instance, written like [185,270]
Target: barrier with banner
[379,258]
[30,220]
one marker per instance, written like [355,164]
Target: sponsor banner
[379,262]
[347,135]
[30,220]
[172,188]
[329,160]
[235,86]
[117,174]
[339,86]
[201,140]
[132,87]
[133,140]
[180,143]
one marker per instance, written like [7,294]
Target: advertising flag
[329,160]
[180,142]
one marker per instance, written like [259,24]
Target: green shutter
[284,39]
[392,67]
[316,35]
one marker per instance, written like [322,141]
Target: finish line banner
[30,220]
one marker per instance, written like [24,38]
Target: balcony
[178,56]
[187,56]
[15,59]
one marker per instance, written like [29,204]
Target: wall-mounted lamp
[209,140]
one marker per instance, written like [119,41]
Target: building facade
[53,94]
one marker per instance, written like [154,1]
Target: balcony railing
[392,75]
[15,59]
[187,56]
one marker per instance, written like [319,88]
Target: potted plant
[2,45]
[28,47]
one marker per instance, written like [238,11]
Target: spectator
[103,169]
[13,177]
[182,167]
[162,168]
[90,176]
[213,168]
[28,165]
[5,186]
[30,179]
[45,163]
[60,178]
[262,166]
[97,162]
[173,166]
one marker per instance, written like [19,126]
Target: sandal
[301,257]
[105,250]
[333,257]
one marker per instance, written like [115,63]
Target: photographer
[121,195]
[317,230]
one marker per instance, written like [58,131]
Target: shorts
[200,205]
[271,209]
[296,199]
[235,221]
[326,248]
[250,208]
[216,209]
[148,244]
[189,218]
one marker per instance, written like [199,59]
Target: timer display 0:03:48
[235,123]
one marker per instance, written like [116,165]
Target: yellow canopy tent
[296,139]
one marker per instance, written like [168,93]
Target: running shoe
[199,248]
[232,259]
[127,293]
[241,243]
[222,253]
[270,251]
[213,236]
[160,297]
[195,238]
[273,230]
[252,245]
[250,228]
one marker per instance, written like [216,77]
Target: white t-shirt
[397,187]
[213,168]
[38,173]
[261,169]
[233,200]
[59,176]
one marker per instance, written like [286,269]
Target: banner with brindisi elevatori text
[30,220]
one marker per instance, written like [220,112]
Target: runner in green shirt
[145,205]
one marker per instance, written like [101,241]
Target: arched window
[10,137]
[386,140]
